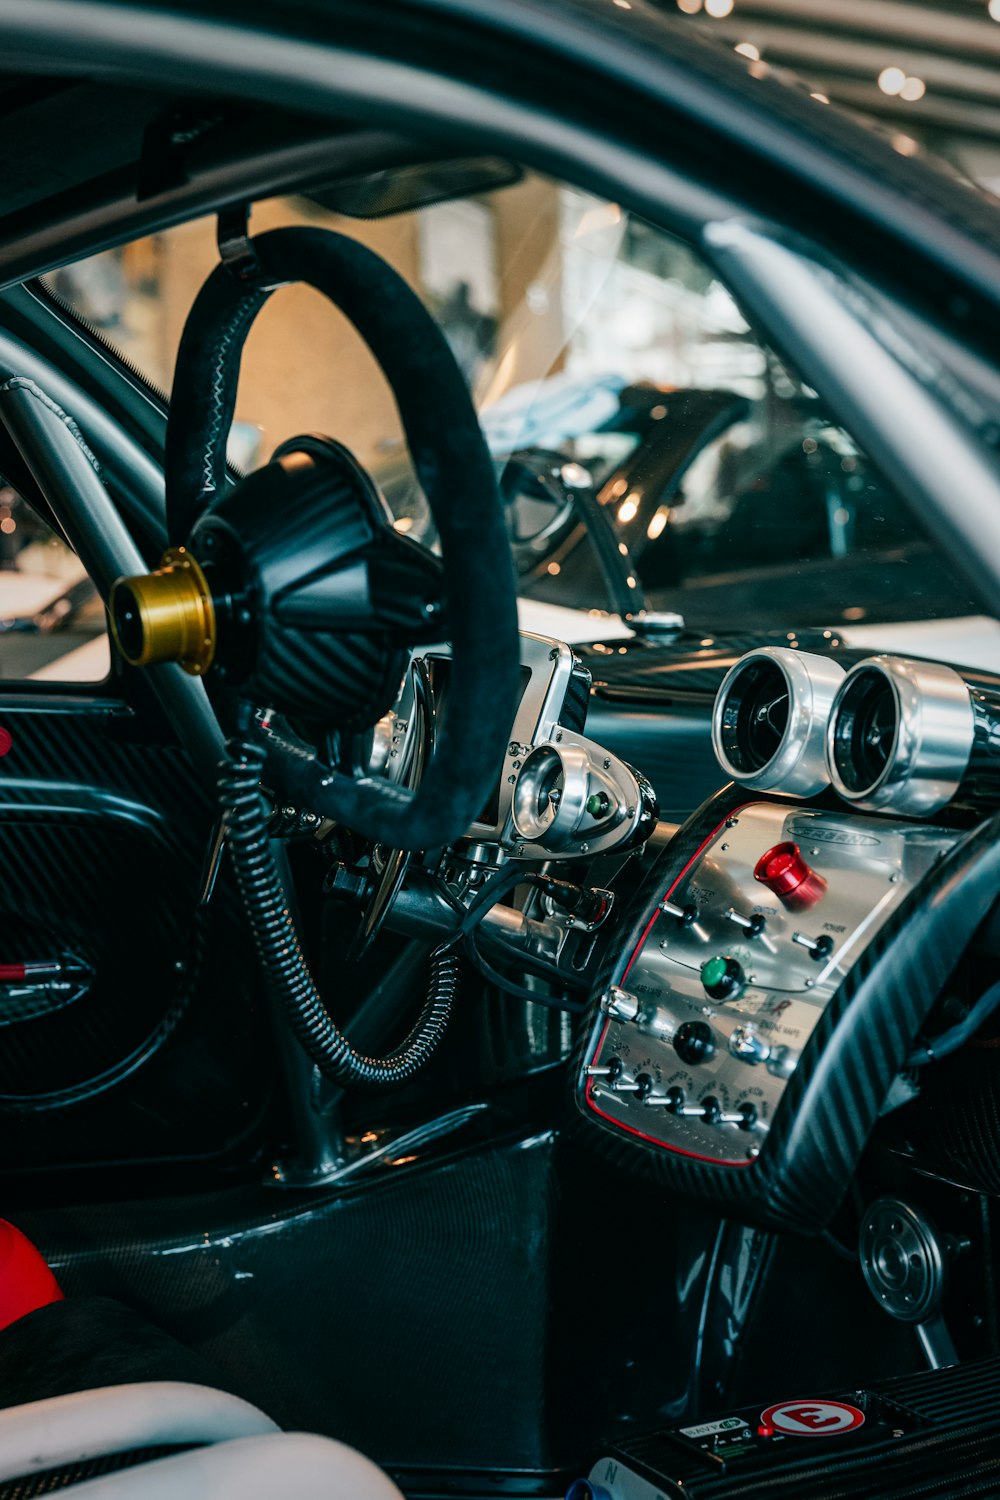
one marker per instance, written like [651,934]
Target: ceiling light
[891,80]
[689,7]
[823,98]
[994,9]
[913,88]
[718,8]
[747,49]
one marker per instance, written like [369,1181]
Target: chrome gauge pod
[900,735]
[552,794]
[571,797]
[770,719]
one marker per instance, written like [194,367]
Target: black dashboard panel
[652,704]
[671,745]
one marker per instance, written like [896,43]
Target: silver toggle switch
[620,1005]
[672,1100]
[752,926]
[746,1044]
[626,1086]
[818,948]
[745,1118]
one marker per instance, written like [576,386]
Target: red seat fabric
[26,1283]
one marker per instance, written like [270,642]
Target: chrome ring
[538,817]
[798,767]
[931,739]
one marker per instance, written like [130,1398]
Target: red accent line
[588,1095]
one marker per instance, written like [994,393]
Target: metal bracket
[236,249]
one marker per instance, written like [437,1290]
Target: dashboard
[752,1003]
[557,793]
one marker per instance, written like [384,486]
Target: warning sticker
[812,1418]
[712,1429]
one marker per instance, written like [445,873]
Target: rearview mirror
[540,490]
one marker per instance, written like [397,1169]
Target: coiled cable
[244,813]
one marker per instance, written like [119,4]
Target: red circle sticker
[812,1418]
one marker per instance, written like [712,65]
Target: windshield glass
[650,446]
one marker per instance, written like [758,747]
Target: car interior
[499,797]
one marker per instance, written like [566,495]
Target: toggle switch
[817,948]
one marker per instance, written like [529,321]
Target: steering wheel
[456,472]
[312,618]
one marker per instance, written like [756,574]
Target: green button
[713,971]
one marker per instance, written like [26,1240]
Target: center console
[693,1049]
[933,1434]
[761,1007]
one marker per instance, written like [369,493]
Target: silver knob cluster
[746,1044]
[620,1004]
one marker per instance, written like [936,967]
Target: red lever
[784,871]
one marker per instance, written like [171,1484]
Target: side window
[52,621]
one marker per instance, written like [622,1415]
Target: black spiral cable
[245,813]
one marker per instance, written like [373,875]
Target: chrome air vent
[770,718]
[900,735]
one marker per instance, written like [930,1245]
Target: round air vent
[900,735]
[770,719]
[863,731]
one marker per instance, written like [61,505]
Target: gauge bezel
[931,744]
[798,767]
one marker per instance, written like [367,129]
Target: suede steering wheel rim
[456,472]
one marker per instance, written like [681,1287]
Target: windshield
[649,444]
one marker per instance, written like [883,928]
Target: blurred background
[573,323]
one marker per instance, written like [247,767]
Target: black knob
[694,1042]
[722,977]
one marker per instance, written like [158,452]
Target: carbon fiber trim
[103,839]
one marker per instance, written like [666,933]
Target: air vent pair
[892,734]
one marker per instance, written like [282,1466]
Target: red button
[765,1430]
[6,740]
[784,871]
